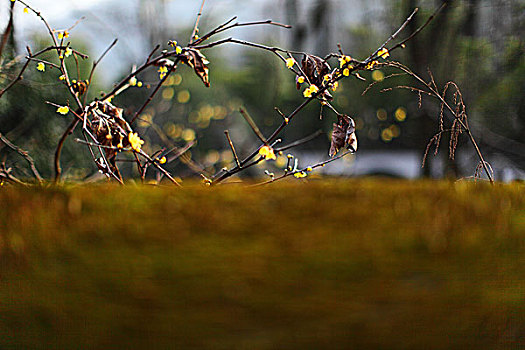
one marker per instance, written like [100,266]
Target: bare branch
[24,154]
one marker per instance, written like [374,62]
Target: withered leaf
[198,62]
[164,63]
[343,135]
[315,68]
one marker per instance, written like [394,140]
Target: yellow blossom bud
[300,80]
[267,153]
[41,66]
[63,110]
[162,160]
[346,72]
[383,53]
[178,50]
[290,62]
[135,141]
[307,93]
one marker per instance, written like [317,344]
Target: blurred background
[479,44]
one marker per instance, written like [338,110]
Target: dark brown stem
[58,151]
[95,64]
[24,154]
[226,132]
[196,26]
[252,125]
[8,29]
[145,104]
[287,174]
[226,26]
[299,142]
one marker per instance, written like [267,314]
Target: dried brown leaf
[198,62]
[343,135]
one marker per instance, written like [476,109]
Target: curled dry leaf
[80,87]
[343,135]
[110,128]
[198,62]
[315,68]
[164,63]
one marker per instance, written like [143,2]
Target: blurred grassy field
[362,264]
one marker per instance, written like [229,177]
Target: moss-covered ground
[330,264]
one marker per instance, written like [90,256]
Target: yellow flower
[300,174]
[300,80]
[133,81]
[172,43]
[309,168]
[267,153]
[383,53]
[26,10]
[135,141]
[63,35]
[290,62]
[310,91]
[335,85]
[139,84]
[307,93]
[162,160]
[346,72]
[178,50]
[162,72]
[68,52]
[344,60]
[63,110]
[371,65]
[327,77]
[41,66]
[62,77]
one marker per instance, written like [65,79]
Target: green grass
[364,264]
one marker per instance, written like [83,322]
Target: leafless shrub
[107,132]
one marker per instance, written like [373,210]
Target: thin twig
[24,154]
[196,26]
[95,64]
[226,132]
[300,141]
[252,124]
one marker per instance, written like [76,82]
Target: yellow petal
[383,53]
[63,110]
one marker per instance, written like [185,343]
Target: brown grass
[328,264]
